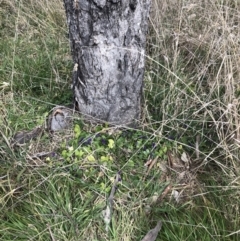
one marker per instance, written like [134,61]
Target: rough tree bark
[108,47]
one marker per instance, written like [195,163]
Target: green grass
[191,106]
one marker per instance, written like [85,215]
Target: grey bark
[108,47]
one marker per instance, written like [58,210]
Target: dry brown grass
[195,46]
[31,17]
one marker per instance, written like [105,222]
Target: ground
[180,167]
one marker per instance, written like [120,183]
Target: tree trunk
[108,47]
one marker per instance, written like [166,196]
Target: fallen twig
[107,213]
[51,234]
[153,233]
[150,164]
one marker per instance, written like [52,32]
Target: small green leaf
[111,143]
[79,153]
[70,148]
[104,158]
[160,153]
[64,153]
[103,186]
[164,149]
[91,158]
[131,163]
[180,147]
[77,131]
